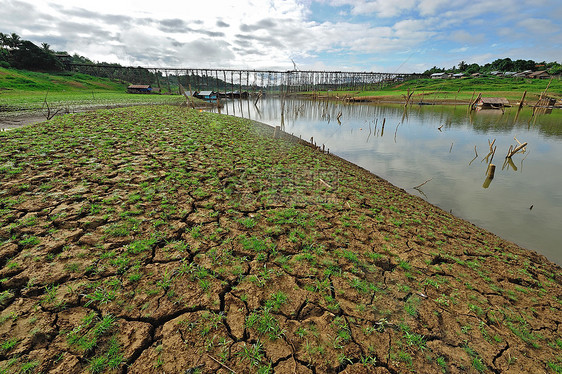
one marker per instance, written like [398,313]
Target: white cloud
[462,36]
[539,26]
[268,33]
[432,7]
[459,50]
[382,8]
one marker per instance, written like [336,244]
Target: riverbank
[416,99]
[452,91]
[162,239]
[15,119]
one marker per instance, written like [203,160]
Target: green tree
[77,59]
[522,65]
[29,56]
[14,41]
[555,69]
[503,64]
[46,47]
[472,68]
[434,69]
[4,53]
[3,40]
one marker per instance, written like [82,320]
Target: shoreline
[201,236]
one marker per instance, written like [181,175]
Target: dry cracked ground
[165,240]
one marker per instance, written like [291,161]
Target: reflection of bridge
[225,80]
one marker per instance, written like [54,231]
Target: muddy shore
[161,239]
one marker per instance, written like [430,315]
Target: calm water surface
[437,144]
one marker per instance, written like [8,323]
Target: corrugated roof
[494,100]
[537,73]
[139,86]
[205,93]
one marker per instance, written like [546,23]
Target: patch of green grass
[253,353]
[411,305]
[554,366]
[265,323]
[9,344]
[276,300]
[30,241]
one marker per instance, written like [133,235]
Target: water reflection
[438,144]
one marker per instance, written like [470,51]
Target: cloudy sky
[355,35]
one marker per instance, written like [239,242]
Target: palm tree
[3,40]
[46,47]
[14,40]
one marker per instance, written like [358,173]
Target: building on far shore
[541,74]
[206,95]
[440,76]
[492,102]
[140,89]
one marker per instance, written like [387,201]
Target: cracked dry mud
[165,240]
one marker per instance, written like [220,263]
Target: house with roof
[440,76]
[522,74]
[206,95]
[140,89]
[492,102]
[541,74]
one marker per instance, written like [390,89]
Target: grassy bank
[459,90]
[25,92]
[161,239]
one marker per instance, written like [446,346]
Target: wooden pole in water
[522,100]
[217,85]
[470,105]
[240,83]
[231,83]
[491,171]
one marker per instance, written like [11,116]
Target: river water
[435,145]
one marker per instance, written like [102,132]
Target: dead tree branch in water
[475,157]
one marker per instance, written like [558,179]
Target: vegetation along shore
[155,239]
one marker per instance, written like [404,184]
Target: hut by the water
[492,102]
[139,89]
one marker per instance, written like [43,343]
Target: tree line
[501,64]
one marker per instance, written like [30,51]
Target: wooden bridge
[231,80]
